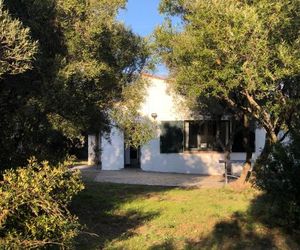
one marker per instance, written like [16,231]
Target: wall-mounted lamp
[154,116]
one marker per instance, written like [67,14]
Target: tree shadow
[257,228]
[253,229]
[234,234]
[96,209]
[167,245]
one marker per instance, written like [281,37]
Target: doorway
[132,157]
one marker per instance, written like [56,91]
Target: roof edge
[155,76]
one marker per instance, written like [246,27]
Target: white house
[185,143]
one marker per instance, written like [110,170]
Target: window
[171,139]
[206,135]
[238,142]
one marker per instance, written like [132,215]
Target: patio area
[139,177]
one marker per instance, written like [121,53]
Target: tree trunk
[271,139]
[226,149]
[246,142]
[95,155]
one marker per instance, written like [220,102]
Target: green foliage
[138,129]
[279,177]
[245,54]
[103,56]
[34,206]
[66,127]
[16,48]
[85,59]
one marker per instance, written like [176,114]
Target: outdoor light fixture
[154,115]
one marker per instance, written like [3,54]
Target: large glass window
[202,135]
[171,138]
[206,135]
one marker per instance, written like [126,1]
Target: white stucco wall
[190,163]
[113,151]
[169,107]
[163,102]
[203,162]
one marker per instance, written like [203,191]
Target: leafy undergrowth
[142,217]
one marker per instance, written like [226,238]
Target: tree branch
[284,136]
[266,117]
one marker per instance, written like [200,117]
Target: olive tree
[17,49]
[85,59]
[244,53]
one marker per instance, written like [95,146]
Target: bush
[33,206]
[279,176]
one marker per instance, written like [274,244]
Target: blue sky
[143,16]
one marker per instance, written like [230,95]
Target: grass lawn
[142,217]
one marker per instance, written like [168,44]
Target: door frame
[129,161]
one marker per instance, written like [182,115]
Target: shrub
[279,176]
[33,206]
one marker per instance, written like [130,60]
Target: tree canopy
[244,53]
[84,61]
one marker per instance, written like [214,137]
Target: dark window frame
[181,140]
[211,145]
[171,132]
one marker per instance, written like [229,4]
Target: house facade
[184,142]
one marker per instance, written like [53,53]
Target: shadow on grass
[167,245]
[254,229]
[96,205]
[237,233]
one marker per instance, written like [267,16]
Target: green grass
[143,217]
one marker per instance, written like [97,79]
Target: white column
[112,154]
